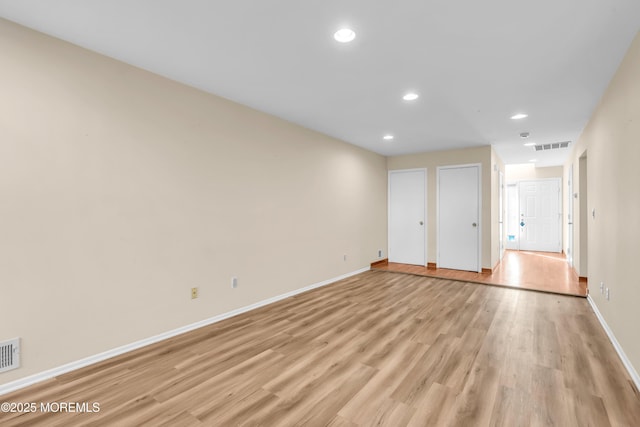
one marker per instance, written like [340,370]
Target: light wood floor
[379,348]
[538,271]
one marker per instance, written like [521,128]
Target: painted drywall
[610,143]
[431,161]
[528,171]
[121,190]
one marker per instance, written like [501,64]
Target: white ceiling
[474,63]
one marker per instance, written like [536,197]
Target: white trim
[514,245]
[501,214]
[480,227]
[570,219]
[623,357]
[45,375]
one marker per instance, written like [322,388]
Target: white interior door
[540,215]
[407,216]
[459,217]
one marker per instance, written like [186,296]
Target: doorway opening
[570,197]
[584,217]
[534,215]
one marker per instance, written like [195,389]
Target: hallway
[538,271]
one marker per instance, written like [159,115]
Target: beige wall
[121,190]
[431,161]
[610,141]
[528,171]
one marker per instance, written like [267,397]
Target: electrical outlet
[602,288]
[234,282]
[608,295]
[194,293]
[379,253]
[344,257]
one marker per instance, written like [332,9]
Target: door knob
[474,224]
[421,222]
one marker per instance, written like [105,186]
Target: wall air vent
[9,355]
[552,146]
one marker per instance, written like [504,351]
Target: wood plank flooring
[378,348]
[538,271]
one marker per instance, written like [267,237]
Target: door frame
[570,220]
[479,201]
[585,215]
[501,215]
[514,246]
[426,218]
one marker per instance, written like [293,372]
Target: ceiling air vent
[552,146]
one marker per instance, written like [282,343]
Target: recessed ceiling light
[344,35]
[519,116]
[529,144]
[410,96]
[388,137]
[524,135]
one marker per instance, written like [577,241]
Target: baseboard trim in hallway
[616,345]
[69,367]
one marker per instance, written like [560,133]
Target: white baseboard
[623,357]
[51,373]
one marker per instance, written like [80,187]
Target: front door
[540,215]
